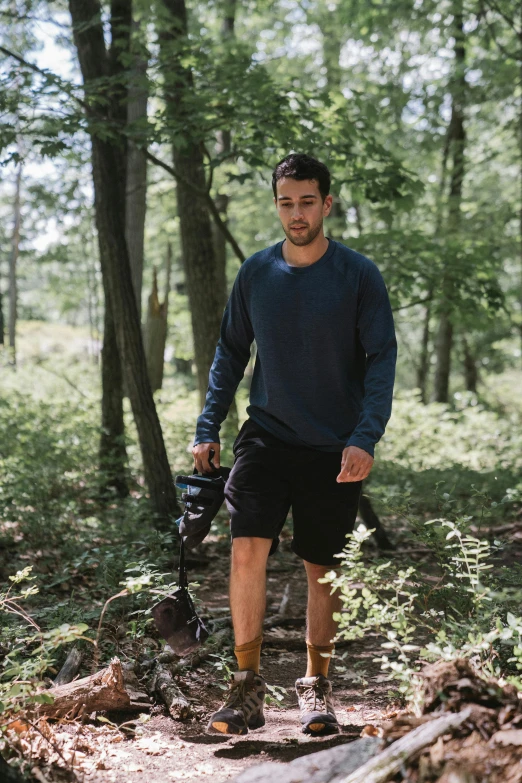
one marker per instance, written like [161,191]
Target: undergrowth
[65,551]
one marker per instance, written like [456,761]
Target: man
[320,399]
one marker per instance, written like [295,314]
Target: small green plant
[22,682]
[276,694]
[467,613]
[224,664]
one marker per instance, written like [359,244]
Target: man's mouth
[297,228]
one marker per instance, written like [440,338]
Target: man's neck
[304,255]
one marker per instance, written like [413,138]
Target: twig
[96,656]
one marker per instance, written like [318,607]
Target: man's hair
[300,166]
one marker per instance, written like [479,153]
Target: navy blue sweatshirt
[326,350]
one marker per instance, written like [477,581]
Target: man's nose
[297,212]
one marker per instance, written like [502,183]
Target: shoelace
[311,694]
[236,694]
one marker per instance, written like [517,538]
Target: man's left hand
[356,464]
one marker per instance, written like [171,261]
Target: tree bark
[457,137]
[332,46]
[470,367]
[424,359]
[108,175]
[136,190]
[156,328]
[13,259]
[223,147]
[204,285]
[102,691]
[2,325]
[520,177]
[112,450]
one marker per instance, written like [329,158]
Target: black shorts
[269,476]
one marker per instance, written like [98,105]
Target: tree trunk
[470,367]
[13,259]
[112,450]
[457,138]
[108,175]
[520,175]
[204,283]
[156,329]
[424,359]
[136,191]
[2,323]
[332,45]
[223,147]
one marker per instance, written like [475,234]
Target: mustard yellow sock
[249,655]
[318,659]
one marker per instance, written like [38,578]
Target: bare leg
[248,587]
[321,627]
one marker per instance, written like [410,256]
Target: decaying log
[166,689]
[322,767]
[216,641]
[70,668]
[100,692]
[139,699]
[213,645]
[390,761]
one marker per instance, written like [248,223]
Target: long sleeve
[227,370]
[377,335]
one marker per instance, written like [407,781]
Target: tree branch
[413,304]
[206,195]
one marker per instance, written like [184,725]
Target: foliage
[465,609]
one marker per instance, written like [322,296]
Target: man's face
[301,209]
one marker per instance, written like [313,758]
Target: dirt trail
[170,750]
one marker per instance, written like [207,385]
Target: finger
[205,461]
[217,451]
[345,474]
[357,471]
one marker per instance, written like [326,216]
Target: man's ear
[328,202]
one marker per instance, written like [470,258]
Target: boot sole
[321,729]
[222,727]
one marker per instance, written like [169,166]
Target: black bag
[175,616]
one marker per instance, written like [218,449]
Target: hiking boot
[243,707]
[316,705]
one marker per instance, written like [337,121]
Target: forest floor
[174,750]
[79,550]
[166,749]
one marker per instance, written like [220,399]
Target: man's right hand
[201,454]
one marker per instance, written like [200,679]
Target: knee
[249,553]
[315,572]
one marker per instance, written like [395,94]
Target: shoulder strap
[182,577]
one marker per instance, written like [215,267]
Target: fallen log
[386,764]
[101,692]
[322,767]
[165,688]
[70,668]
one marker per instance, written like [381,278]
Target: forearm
[225,376]
[377,402]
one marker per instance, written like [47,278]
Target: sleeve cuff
[361,443]
[206,437]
